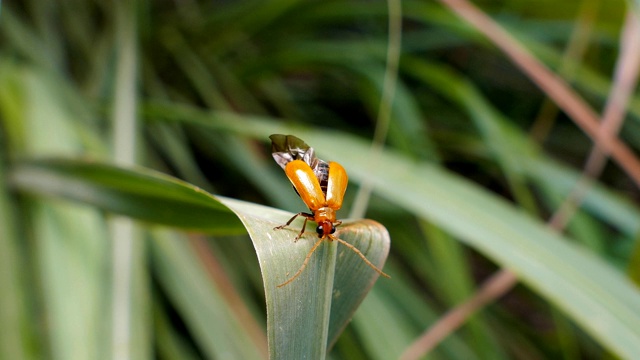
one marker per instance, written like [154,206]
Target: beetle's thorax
[324,213]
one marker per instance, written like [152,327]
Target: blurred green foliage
[477,161]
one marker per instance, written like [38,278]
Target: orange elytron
[321,187]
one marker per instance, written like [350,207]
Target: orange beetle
[321,187]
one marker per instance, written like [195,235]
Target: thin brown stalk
[574,53]
[625,81]
[385,109]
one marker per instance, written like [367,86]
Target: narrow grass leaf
[142,194]
[13,281]
[209,317]
[306,316]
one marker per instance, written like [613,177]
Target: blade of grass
[171,345]
[386,102]
[145,195]
[71,285]
[371,321]
[14,274]
[454,281]
[353,278]
[298,308]
[13,281]
[129,338]
[68,242]
[216,327]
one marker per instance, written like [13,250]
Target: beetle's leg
[304,225]
[289,222]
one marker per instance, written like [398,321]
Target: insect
[320,185]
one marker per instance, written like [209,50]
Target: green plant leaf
[13,344]
[142,194]
[305,317]
[211,318]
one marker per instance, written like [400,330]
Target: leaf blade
[142,194]
[305,317]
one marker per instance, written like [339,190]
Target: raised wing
[286,148]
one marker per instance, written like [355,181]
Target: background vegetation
[483,147]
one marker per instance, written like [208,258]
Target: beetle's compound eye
[325,228]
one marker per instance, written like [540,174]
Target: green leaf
[202,304]
[305,317]
[142,194]
[13,344]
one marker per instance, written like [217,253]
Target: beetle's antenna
[355,249]
[304,264]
